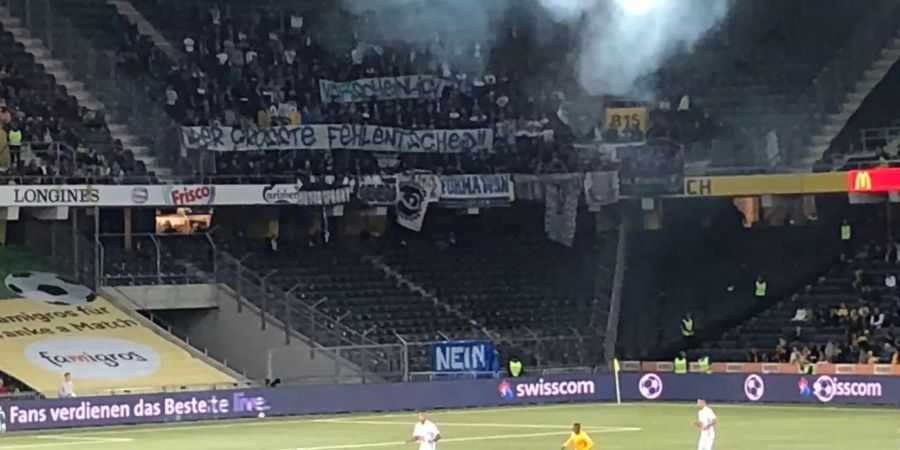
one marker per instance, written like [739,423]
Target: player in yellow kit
[579,440]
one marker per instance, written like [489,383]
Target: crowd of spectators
[10,387]
[867,323]
[259,69]
[45,136]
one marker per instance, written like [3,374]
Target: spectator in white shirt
[67,388]
[876,320]
[289,56]
[801,315]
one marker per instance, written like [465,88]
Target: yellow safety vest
[515,368]
[846,232]
[809,369]
[704,364]
[760,288]
[681,365]
[15,137]
[687,327]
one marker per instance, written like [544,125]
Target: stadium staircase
[43,51]
[126,9]
[778,66]
[857,70]
[59,32]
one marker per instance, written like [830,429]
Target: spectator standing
[687,329]
[876,319]
[67,388]
[15,143]
[846,236]
[802,314]
[760,287]
[830,352]
[4,391]
[892,247]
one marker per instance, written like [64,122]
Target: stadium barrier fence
[332,399]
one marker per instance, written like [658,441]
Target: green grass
[634,426]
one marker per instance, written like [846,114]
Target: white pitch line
[276,421]
[599,429]
[279,421]
[465,439]
[66,441]
[84,438]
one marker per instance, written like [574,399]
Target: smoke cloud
[624,40]
[456,24]
[620,41]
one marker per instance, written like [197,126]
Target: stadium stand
[61,138]
[841,307]
[684,270]
[754,79]
[424,289]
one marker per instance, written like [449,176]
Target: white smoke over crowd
[620,41]
[446,27]
[623,40]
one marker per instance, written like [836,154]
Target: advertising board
[332,399]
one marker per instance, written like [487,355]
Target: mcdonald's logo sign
[862,181]
[873,180]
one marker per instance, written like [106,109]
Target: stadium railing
[297,313]
[169,388]
[444,376]
[873,138]
[782,368]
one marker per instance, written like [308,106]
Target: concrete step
[884,63]
[891,52]
[821,140]
[17,32]
[832,129]
[851,105]
[116,127]
[142,151]
[841,117]
[10,22]
[857,96]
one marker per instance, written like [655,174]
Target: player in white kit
[706,421]
[426,433]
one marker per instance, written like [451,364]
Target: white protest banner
[476,190]
[295,194]
[26,196]
[377,190]
[384,88]
[324,137]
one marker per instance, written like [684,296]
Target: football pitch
[629,426]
